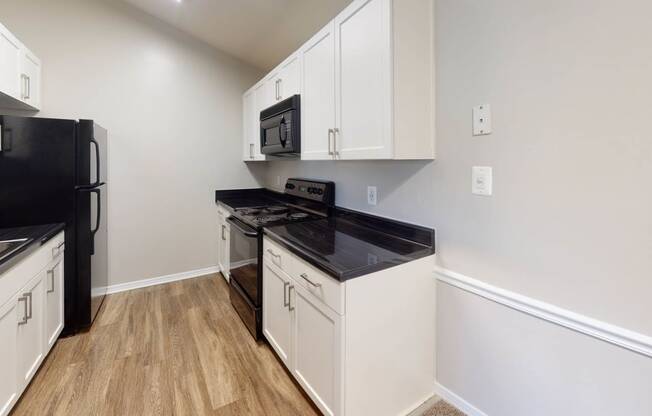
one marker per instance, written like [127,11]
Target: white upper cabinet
[10,59]
[289,78]
[20,74]
[251,126]
[30,75]
[318,97]
[366,82]
[363,127]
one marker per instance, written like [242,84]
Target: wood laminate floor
[175,349]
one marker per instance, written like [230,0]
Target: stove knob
[289,186]
[320,192]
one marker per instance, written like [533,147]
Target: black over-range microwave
[280,128]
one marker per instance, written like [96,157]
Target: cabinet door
[8,356]
[29,318]
[53,303]
[318,346]
[318,95]
[30,73]
[226,251]
[267,93]
[363,81]
[289,79]
[276,312]
[248,111]
[10,68]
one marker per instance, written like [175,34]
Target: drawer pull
[290,307]
[286,302]
[25,318]
[305,277]
[51,275]
[269,250]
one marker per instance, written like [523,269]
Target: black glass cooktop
[265,216]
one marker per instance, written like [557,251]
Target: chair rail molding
[613,334]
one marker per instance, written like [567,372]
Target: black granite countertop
[37,236]
[352,244]
[346,245]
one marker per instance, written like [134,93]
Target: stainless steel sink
[8,247]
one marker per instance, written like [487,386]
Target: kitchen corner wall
[569,222]
[173,109]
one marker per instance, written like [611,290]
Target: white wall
[569,222]
[172,106]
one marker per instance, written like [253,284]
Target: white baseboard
[138,284]
[621,337]
[457,401]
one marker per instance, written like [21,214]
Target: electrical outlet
[372,195]
[482,120]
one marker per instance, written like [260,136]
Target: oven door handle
[242,227]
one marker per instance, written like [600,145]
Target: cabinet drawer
[18,276]
[316,282]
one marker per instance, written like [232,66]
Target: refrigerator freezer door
[91,154]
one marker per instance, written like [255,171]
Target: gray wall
[173,109]
[569,222]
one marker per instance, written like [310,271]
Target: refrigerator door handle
[98,218]
[97,162]
[98,215]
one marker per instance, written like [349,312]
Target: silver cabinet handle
[29,87]
[58,249]
[269,250]
[29,295]
[251,150]
[223,229]
[280,88]
[336,131]
[305,277]
[330,140]
[25,318]
[290,307]
[51,276]
[285,290]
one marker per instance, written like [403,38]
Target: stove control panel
[314,190]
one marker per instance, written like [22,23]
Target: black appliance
[280,128]
[304,200]
[55,171]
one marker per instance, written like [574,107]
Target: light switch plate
[372,195]
[482,120]
[482,181]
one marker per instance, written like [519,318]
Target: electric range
[303,200]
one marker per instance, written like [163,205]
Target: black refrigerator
[54,171]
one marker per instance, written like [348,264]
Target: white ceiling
[260,32]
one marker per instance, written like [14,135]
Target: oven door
[243,258]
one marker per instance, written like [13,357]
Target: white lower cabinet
[317,350]
[365,346]
[224,241]
[277,322]
[54,302]
[30,329]
[31,317]
[8,356]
